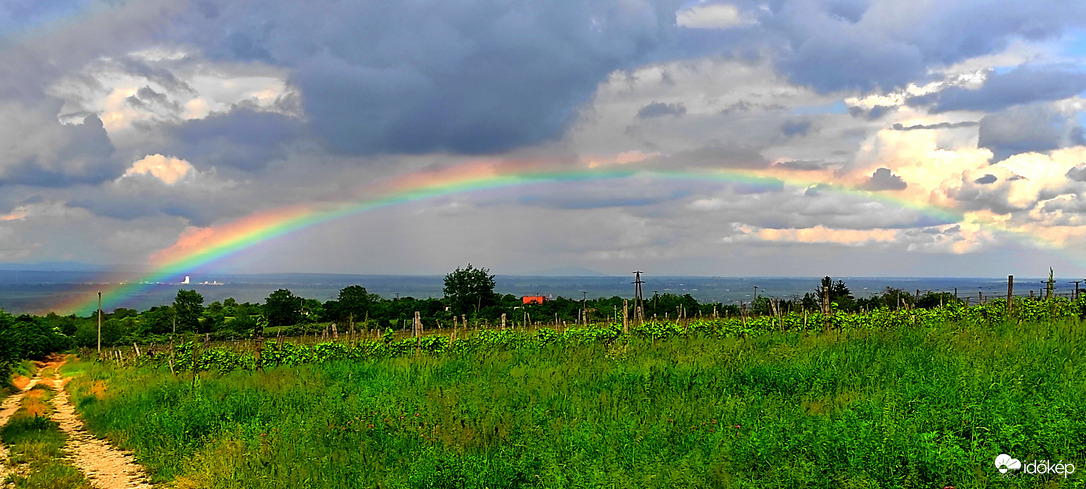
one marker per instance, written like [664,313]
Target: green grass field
[916,407]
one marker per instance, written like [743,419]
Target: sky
[742,138]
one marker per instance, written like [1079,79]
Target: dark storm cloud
[836,46]
[469,77]
[37,150]
[1001,90]
[138,196]
[1023,129]
[883,179]
[941,125]
[660,109]
[242,138]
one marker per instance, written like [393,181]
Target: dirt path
[7,409]
[104,465]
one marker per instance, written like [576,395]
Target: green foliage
[353,302]
[30,337]
[189,306]
[469,289]
[282,308]
[920,399]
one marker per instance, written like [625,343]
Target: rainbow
[201,248]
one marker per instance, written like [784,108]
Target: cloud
[871,113]
[711,16]
[243,138]
[883,179]
[796,128]
[802,165]
[484,78]
[167,169]
[1023,85]
[37,150]
[715,154]
[897,126]
[1023,129]
[1077,173]
[832,48]
[158,185]
[660,109]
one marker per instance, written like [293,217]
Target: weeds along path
[104,465]
[8,408]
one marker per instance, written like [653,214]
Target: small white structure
[186,281]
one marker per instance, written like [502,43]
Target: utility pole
[755,293]
[638,305]
[1076,282]
[99,321]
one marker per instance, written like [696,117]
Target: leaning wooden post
[826,323]
[417,328]
[503,321]
[1010,294]
[625,317]
[258,341]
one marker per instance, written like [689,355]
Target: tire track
[105,466]
[7,409]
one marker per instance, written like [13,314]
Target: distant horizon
[78,267]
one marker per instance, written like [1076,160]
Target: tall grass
[911,407]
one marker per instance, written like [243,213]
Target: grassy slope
[918,408]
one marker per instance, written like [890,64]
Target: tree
[469,289]
[189,306]
[839,294]
[282,308]
[354,302]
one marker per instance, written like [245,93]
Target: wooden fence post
[1010,294]
[625,317]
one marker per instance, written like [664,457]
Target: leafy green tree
[283,308]
[156,320]
[839,294]
[8,351]
[189,306]
[312,311]
[31,337]
[353,301]
[469,289]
